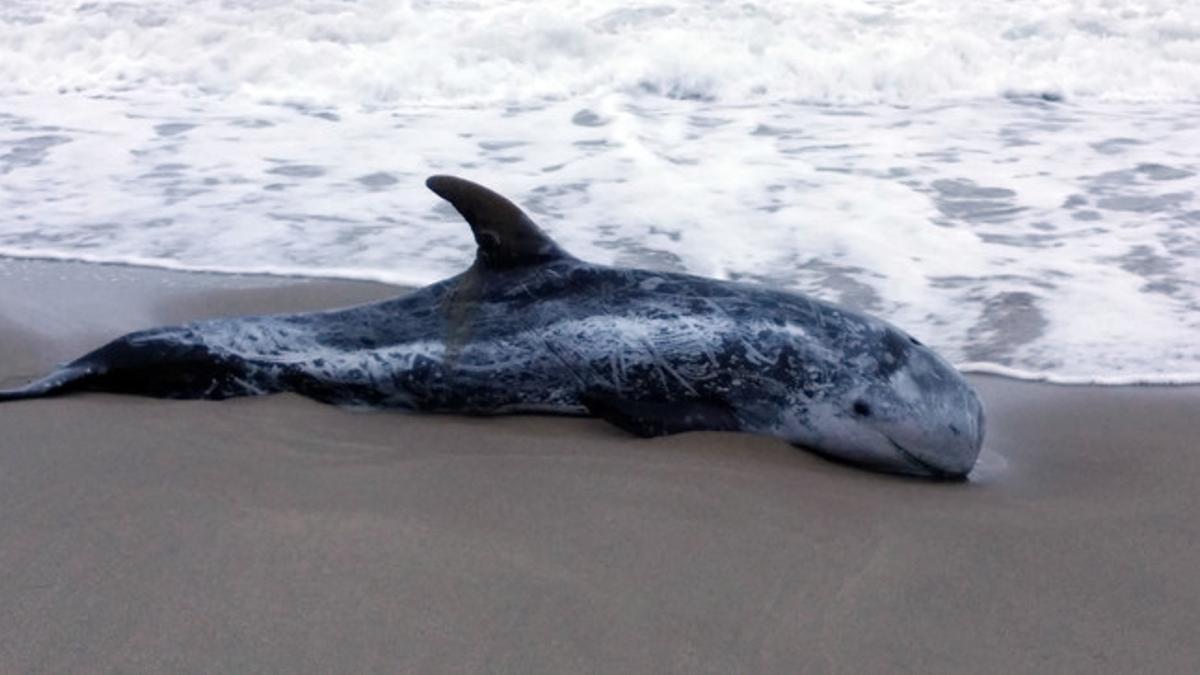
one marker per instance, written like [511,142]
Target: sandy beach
[279,534]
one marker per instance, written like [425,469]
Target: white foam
[382,53]
[1177,379]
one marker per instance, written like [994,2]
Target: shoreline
[277,533]
[156,265]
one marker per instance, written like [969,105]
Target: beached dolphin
[529,328]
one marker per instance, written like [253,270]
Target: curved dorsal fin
[505,235]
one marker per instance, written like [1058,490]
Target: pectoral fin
[660,418]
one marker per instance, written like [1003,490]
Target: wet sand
[280,534]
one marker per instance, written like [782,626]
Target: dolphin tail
[154,363]
[58,382]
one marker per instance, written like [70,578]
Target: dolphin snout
[951,449]
[936,469]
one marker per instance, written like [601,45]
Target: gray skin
[529,328]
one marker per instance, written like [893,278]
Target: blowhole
[862,409]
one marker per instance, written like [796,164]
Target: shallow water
[968,174]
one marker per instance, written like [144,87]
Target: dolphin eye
[861,408]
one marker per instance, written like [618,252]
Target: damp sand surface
[276,533]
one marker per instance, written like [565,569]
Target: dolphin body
[529,328]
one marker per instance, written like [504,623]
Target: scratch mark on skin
[705,346]
[565,364]
[614,373]
[662,364]
[591,367]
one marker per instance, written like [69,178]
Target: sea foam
[383,53]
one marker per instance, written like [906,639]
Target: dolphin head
[896,407]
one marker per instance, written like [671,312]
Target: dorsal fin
[505,235]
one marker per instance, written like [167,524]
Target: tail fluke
[58,382]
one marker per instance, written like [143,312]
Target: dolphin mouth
[932,471]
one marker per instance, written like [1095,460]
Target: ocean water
[1017,183]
